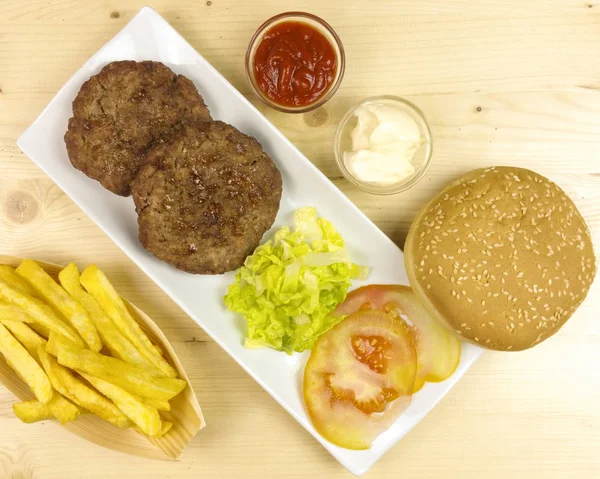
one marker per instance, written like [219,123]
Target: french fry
[160,404]
[31,411]
[118,345]
[10,311]
[43,331]
[27,367]
[51,344]
[7,273]
[82,395]
[40,312]
[97,284]
[166,427]
[62,409]
[26,336]
[133,379]
[142,415]
[62,301]
[58,407]
[53,340]
[43,336]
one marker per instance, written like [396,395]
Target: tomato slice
[359,378]
[438,350]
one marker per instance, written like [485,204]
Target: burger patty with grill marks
[206,197]
[121,112]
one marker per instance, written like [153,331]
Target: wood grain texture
[503,82]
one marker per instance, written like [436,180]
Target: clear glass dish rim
[332,89]
[382,190]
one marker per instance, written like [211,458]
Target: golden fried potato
[27,367]
[54,338]
[52,355]
[58,407]
[10,311]
[142,415]
[40,312]
[160,404]
[97,284]
[26,336]
[166,427]
[118,345]
[128,376]
[7,273]
[62,409]
[43,331]
[31,411]
[61,300]
[51,344]
[75,390]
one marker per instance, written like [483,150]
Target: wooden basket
[185,413]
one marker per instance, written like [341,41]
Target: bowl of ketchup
[295,62]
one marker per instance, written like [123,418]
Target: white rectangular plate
[149,37]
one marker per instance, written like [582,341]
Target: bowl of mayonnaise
[383,145]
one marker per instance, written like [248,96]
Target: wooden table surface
[502,83]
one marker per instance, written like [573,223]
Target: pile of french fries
[77,347]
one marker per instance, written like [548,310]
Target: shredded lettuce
[289,285]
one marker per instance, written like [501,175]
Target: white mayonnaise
[384,143]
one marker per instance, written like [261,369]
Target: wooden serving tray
[185,413]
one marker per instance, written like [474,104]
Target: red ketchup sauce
[294,64]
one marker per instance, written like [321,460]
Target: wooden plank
[502,82]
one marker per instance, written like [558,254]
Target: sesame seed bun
[502,257]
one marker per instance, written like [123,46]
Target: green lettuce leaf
[289,285]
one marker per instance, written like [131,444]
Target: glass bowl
[421,159]
[318,24]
